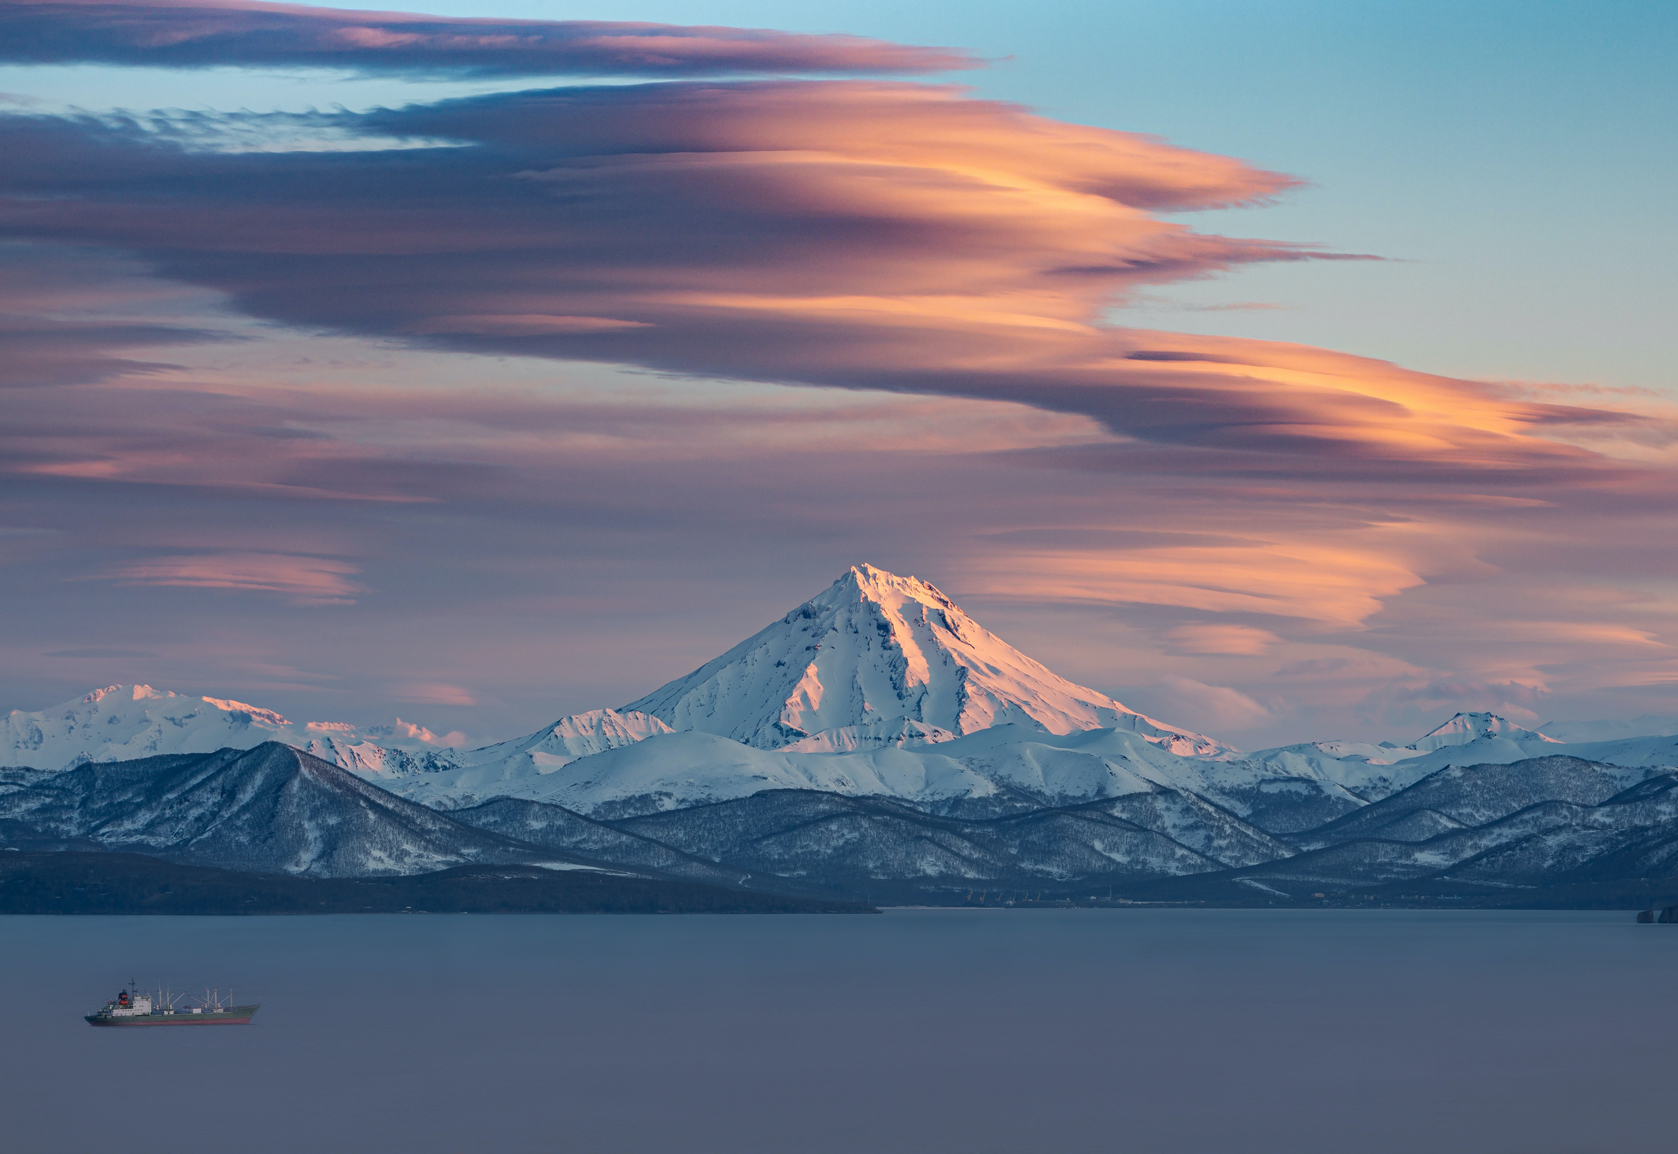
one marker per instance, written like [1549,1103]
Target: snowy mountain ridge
[272,808]
[878,686]
[610,762]
[1003,768]
[124,722]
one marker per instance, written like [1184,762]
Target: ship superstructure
[167,1008]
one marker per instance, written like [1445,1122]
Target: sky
[1288,371]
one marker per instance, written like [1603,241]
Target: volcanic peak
[875,648]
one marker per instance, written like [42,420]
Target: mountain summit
[877,656]
[1466,727]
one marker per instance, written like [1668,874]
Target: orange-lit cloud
[834,233]
[1336,584]
[1209,638]
[935,273]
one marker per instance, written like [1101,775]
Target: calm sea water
[1352,1032]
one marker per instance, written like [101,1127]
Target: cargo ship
[132,1008]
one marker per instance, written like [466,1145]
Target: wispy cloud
[1222,706]
[1338,583]
[302,580]
[432,693]
[1211,638]
[188,34]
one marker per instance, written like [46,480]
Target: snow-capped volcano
[875,662]
[880,686]
[876,651]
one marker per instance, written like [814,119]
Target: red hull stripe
[185,1021]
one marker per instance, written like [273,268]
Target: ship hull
[237,1016]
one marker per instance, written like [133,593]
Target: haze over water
[917,1031]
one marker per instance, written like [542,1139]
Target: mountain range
[874,737]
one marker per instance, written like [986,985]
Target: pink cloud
[432,693]
[196,33]
[840,233]
[302,580]
[1219,705]
[1209,638]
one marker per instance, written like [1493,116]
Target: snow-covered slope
[856,844]
[511,768]
[603,762]
[673,770]
[270,809]
[1658,752]
[875,651]
[1006,768]
[1649,725]
[1543,820]
[123,722]
[1371,772]
[1468,727]
[898,731]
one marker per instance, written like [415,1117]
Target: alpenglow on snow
[881,655]
[878,687]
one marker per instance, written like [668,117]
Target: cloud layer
[249,388]
[188,34]
[843,233]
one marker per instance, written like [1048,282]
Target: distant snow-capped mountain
[1467,727]
[123,722]
[881,654]
[606,762]
[876,732]
[878,687]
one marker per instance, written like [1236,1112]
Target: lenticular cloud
[843,232]
[837,233]
[191,34]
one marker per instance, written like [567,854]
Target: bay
[1136,1030]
